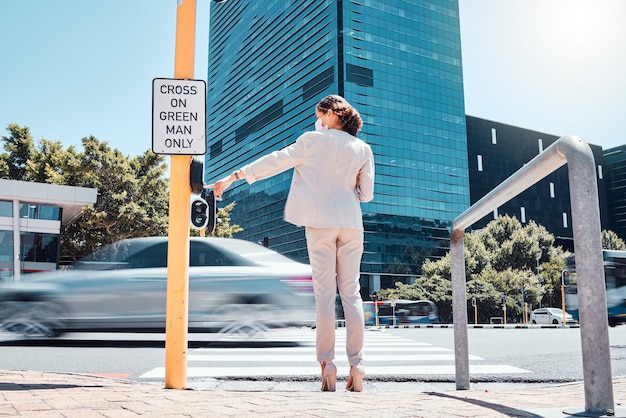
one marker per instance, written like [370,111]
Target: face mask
[319,126]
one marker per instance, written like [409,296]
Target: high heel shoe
[329,377]
[355,380]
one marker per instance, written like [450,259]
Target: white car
[234,285]
[553,316]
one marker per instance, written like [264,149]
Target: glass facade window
[39,211]
[398,63]
[6,245]
[37,250]
[39,247]
[35,247]
[6,254]
[6,208]
[516,147]
[615,167]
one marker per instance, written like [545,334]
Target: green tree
[410,262]
[132,198]
[4,166]
[223,228]
[19,148]
[610,241]
[499,259]
[50,163]
[402,291]
[487,299]
[132,192]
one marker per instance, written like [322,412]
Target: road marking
[159,372]
[291,358]
[338,347]
[381,352]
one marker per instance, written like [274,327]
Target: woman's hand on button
[220,186]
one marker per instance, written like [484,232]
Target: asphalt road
[525,356]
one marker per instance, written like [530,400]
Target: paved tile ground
[51,395]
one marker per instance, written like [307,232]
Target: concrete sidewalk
[49,395]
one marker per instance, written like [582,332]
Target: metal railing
[589,263]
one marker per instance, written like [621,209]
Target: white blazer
[333,173]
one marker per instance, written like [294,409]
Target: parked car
[552,316]
[234,285]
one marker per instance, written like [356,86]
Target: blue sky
[73,68]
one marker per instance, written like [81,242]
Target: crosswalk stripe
[159,372]
[291,358]
[381,350]
[311,349]
[377,341]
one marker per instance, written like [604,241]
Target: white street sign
[178,116]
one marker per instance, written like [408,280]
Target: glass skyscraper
[615,164]
[398,63]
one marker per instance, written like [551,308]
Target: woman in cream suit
[333,173]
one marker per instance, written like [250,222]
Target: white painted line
[290,358]
[366,349]
[159,372]
[398,343]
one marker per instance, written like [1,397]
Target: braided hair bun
[348,116]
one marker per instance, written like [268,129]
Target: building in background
[615,171]
[31,216]
[398,63]
[496,151]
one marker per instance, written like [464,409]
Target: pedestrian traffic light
[203,209]
[209,198]
[199,212]
[565,278]
[196,175]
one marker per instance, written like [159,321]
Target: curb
[490,326]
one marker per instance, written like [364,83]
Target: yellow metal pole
[180,191]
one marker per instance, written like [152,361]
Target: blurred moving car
[401,312]
[552,316]
[234,286]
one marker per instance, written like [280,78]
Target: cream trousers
[335,257]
